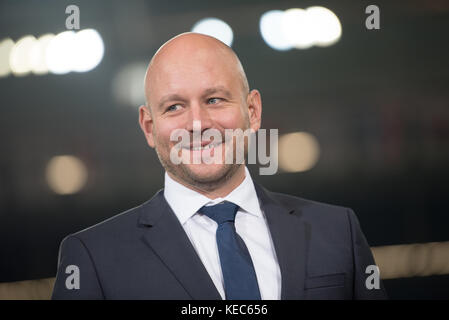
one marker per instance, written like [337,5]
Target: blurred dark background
[377,102]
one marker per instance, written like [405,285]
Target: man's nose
[198,113]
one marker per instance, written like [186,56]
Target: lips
[205,145]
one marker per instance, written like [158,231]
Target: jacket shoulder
[113,228]
[307,205]
[320,215]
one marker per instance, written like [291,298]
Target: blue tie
[240,282]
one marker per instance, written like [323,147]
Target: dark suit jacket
[144,253]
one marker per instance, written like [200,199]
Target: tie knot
[222,212]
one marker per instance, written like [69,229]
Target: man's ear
[146,124]
[254,102]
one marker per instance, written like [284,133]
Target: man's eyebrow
[170,97]
[219,89]
[207,92]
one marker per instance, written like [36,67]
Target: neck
[220,189]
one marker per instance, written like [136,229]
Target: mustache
[195,143]
[202,138]
[209,138]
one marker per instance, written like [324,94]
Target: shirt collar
[186,202]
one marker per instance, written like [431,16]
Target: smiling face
[197,78]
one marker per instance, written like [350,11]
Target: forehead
[187,72]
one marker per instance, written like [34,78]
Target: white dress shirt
[250,224]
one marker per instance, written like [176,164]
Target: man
[212,233]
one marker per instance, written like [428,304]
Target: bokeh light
[60,53]
[272,32]
[298,152]
[299,28]
[127,85]
[67,51]
[19,61]
[89,50]
[66,174]
[6,46]
[37,54]
[325,26]
[215,28]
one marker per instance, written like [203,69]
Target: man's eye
[213,100]
[173,107]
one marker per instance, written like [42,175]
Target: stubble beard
[207,182]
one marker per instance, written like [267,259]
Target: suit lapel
[166,237]
[289,234]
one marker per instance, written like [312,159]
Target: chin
[209,173]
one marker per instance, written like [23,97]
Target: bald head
[196,79]
[195,53]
